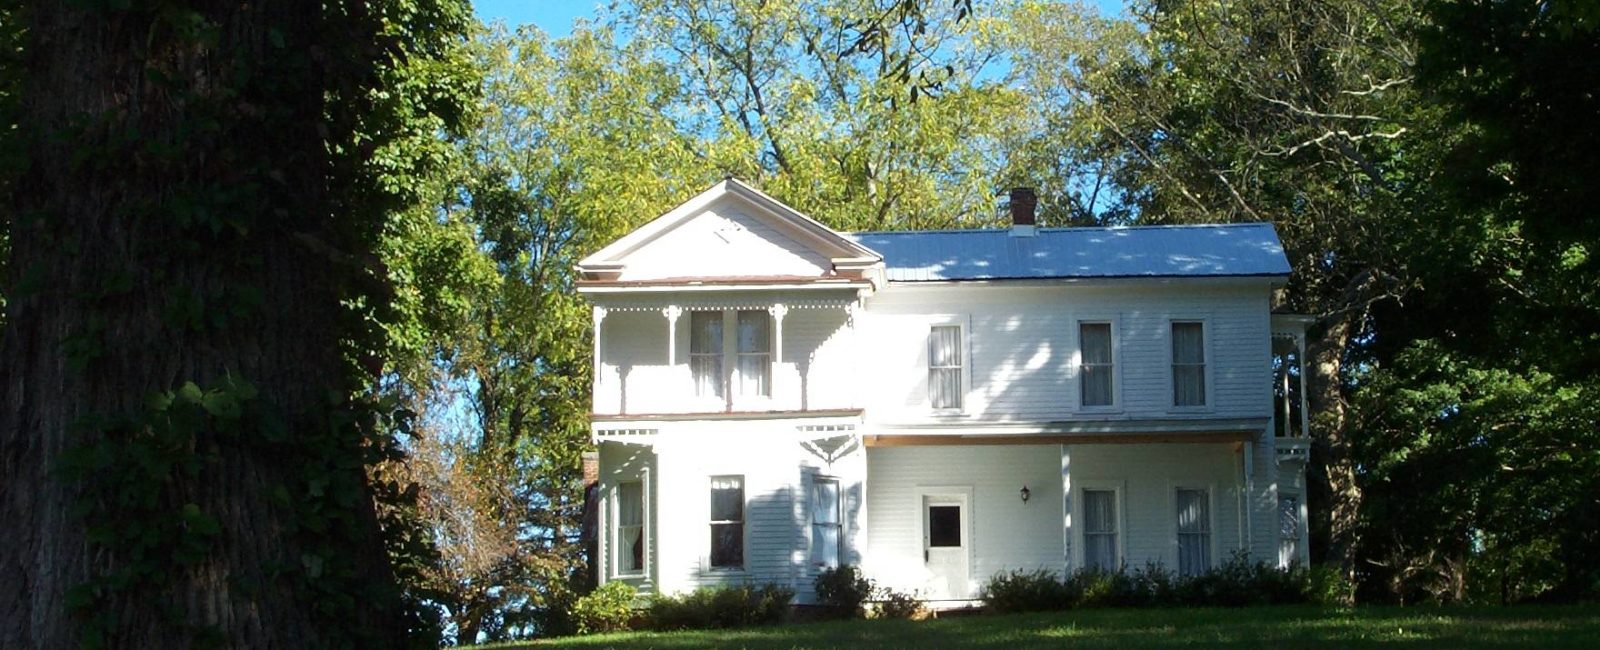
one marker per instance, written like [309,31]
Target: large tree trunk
[161,236]
[1335,484]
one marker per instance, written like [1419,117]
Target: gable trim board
[846,256]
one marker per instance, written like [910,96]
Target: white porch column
[777,311]
[599,374]
[1246,514]
[853,313]
[1066,509]
[672,312]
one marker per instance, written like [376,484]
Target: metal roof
[1228,250]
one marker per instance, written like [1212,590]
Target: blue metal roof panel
[1249,249]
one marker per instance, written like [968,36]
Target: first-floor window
[825,523]
[1100,529]
[1288,530]
[1194,532]
[727,522]
[630,527]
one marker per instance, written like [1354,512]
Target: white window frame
[722,354]
[1116,362]
[1212,556]
[1080,519]
[644,529]
[735,374]
[962,335]
[1206,367]
[743,521]
[838,510]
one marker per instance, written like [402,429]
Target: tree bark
[1332,452]
[136,133]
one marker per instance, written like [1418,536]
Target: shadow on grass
[1288,627]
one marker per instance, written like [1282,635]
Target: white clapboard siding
[1147,477]
[724,241]
[1005,533]
[777,475]
[1022,349]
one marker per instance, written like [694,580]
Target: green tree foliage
[200,193]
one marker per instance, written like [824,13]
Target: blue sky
[555,16]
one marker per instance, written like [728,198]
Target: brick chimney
[591,468]
[1023,204]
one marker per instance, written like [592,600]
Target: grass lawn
[1539,627]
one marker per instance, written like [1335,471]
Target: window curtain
[705,352]
[630,526]
[1100,529]
[944,367]
[1194,532]
[755,353]
[1094,347]
[825,527]
[727,522]
[1188,365]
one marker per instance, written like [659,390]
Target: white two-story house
[773,397]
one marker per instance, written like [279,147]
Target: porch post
[1249,494]
[672,312]
[1305,406]
[853,316]
[599,317]
[1066,509]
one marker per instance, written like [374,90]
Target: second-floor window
[1188,364]
[944,367]
[705,352]
[1094,353]
[751,364]
[755,354]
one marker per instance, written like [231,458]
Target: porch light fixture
[1025,493]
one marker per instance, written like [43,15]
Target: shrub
[1026,591]
[607,609]
[1236,583]
[843,589]
[898,604]
[721,607]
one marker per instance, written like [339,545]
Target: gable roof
[847,257]
[1229,250]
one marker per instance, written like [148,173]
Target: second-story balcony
[733,352]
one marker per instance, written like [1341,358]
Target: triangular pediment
[729,233]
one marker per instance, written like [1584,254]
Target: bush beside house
[1239,583]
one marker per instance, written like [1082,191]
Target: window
[944,526]
[825,525]
[1288,530]
[1100,529]
[727,522]
[705,352]
[630,527]
[1094,353]
[1194,532]
[755,353]
[1188,364]
[944,367]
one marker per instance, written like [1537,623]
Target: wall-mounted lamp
[1024,493]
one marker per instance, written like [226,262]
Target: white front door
[946,546]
